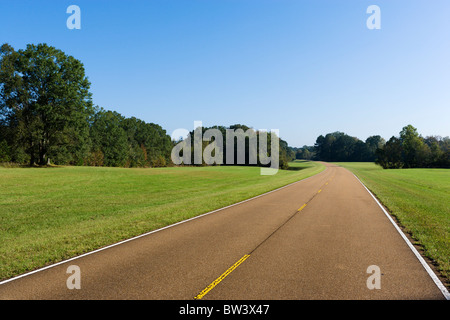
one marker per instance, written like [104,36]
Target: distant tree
[372,144]
[246,137]
[127,142]
[305,153]
[318,147]
[391,155]
[4,151]
[444,158]
[438,151]
[155,144]
[136,156]
[343,148]
[324,146]
[110,138]
[410,150]
[413,147]
[360,152]
[338,146]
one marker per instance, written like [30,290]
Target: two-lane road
[313,239]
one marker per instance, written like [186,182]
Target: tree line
[340,147]
[411,150]
[246,139]
[408,150]
[47,117]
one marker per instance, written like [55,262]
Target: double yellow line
[219,279]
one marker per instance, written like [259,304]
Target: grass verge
[419,200]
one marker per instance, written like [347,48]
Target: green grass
[420,200]
[51,214]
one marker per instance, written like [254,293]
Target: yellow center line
[219,279]
[234,266]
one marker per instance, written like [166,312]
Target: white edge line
[431,273]
[153,231]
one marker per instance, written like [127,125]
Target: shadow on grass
[296,168]
[293,167]
[16,165]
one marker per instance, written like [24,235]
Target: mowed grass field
[51,214]
[420,200]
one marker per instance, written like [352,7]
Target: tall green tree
[372,144]
[391,155]
[109,137]
[44,96]
[413,147]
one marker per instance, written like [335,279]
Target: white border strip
[154,231]
[431,273]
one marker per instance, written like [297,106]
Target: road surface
[314,239]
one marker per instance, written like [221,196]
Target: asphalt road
[314,239]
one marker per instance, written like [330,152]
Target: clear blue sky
[303,67]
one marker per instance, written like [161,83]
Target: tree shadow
[296,168]
[11,165]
